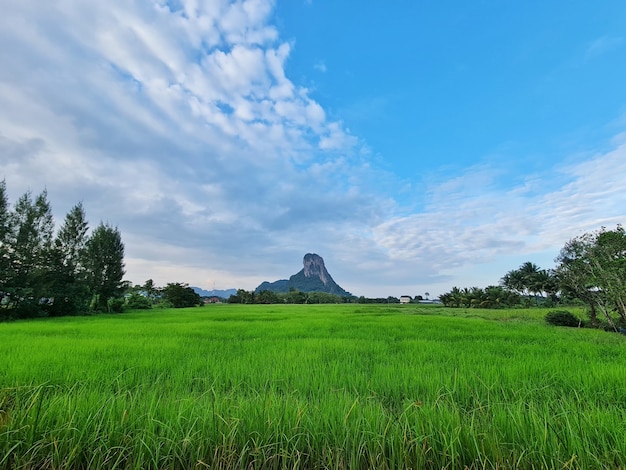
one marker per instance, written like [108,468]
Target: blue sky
[414,145]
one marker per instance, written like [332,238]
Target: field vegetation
[311,386]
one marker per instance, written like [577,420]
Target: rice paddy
[306,386]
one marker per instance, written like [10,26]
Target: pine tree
[71,292]
[104,264]
[29,250]
[5,230]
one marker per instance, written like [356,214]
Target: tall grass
[344,386]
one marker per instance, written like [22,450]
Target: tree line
[172,295]
[69,271]
[48,272]
[294,296]
[590,269]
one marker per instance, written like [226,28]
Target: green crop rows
[303,386]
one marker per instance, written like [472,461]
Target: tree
[180,295]
[72,238]
[499,297]
[41,274]
[453,298]
[609,267]
[150,290]
[529,280]
[29,243]
[514,281]
[267,297]
[5,231]
[294,296]
[323,298]
[70,288]
[490,297]
[137,301]
[104,265]
[574,274]
[592,268]
[242,297]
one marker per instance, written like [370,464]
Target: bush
[563,318]
[138,301]
[115,305]
[180,295]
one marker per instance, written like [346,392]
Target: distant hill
[215,292]
[312,278]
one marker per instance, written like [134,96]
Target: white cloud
[181,126]
[603,45]
[471,221]
[178,125]
[320,66]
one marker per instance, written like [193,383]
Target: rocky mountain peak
[313,277]
[314,267]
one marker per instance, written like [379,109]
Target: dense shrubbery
[562,318]
[115,305]
[294,296]
[136,301]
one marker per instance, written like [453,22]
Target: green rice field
[306,386]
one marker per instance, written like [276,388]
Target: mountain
[215,292]
[313,277]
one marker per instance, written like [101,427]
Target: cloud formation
[177,122]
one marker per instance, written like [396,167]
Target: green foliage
[150,290]
[523,286]
[5,232]
[475,297]
[242,297]
[562,318]
[293,296]
[302,283]
[44,275]
[323,298]
[531,281]
[94,304]
[267,297]
[28,249]
[592,268]
[136,301]
[180,295]
[104,264]
[68,275]
[115,305]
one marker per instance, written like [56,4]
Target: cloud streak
[177,122]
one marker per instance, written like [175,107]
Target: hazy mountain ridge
[224,293]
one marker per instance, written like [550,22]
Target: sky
[414,145]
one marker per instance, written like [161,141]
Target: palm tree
[529,280]
[514,280]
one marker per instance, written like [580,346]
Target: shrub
[138,301]
[115,305]
[563,318]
